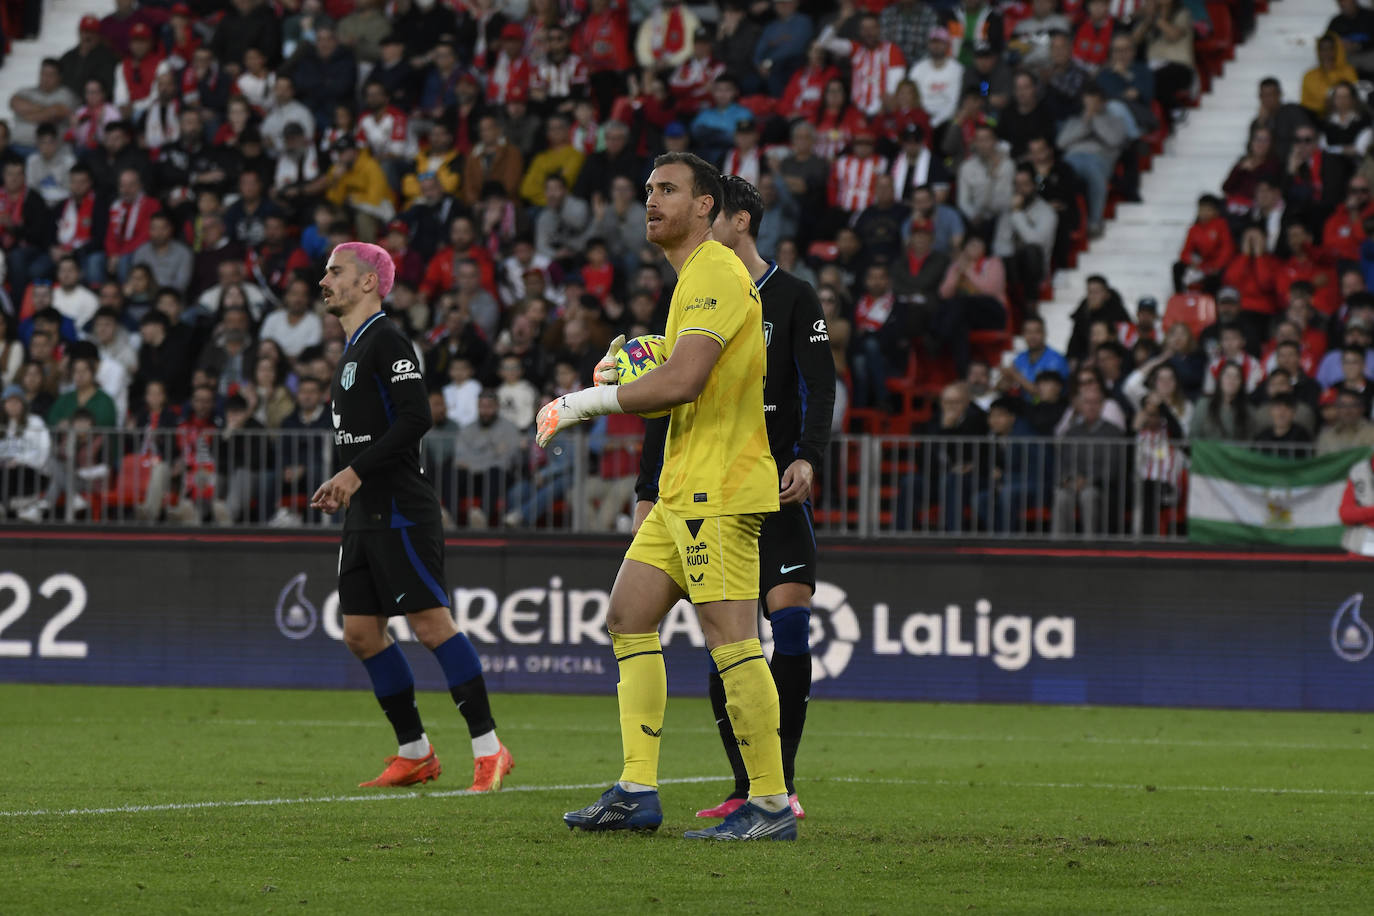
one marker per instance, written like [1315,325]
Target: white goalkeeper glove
[605,372]
[572,408]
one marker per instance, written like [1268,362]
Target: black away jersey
[799,389]
[380,410]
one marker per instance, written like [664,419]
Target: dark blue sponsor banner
[1129,628]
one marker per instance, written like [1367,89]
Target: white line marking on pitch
[325,799]
[849,780]
[813,733]
[1107,786]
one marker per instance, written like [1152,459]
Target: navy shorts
[389,571]
[787,548]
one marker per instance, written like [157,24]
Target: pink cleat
[724,809]
[796,806]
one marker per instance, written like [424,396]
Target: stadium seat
[1079,238]
[822,251]
[1213,51]
[1196,310]
[916,396]
[988,345]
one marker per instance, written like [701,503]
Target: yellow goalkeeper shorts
[711,559]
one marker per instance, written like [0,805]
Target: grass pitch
[238,801]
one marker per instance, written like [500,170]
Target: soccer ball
[638,356]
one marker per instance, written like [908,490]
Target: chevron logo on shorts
[697,580]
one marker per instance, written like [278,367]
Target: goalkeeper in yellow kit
[701,539]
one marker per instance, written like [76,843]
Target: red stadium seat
[916,398]
[1213,51]
[989,345]
[1196,310]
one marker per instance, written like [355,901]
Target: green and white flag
[1238,496]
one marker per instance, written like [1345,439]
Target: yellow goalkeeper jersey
[716,459]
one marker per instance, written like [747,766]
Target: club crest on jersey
[350,374]
[768,333]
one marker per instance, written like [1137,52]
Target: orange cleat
[488,772]
[407,771]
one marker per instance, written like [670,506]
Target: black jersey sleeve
[406,402]
[651,459]
[816,367]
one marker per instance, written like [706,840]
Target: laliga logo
[1351,637]
[296,616]
[844,632]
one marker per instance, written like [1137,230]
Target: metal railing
[216,476]
[1125,488]
[1121,489]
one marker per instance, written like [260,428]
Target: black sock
[792,674]
[471,697]
[403,714]
[727,736]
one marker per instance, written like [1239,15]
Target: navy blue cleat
[750,822]
[617,809]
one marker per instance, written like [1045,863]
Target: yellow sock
[643,692]
[751,700]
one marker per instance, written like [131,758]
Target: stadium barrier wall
[1151,627]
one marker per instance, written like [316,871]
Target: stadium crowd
[173,184]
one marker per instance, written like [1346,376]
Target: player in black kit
[391,560]
[799,397]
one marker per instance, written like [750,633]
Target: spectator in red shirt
[1252,273]
[1308,262]
[1092,43]
[1207,250]
[599,272]
[837,121]
[879,337]
[135,76]
[115,27]
[1299,310]
[902,110]
[409,265]
[851,179]
[802,98]
[603,41]
[975,298]
[1344,230]
[182,37]
[462,246]
[511,69]
[1285,352]
[1258,162]
[691,82]
[130,214]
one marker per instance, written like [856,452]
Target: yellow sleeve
[716,303]
[572,167]
[410,183]
[449,179]
[376,189]
[1314,91]
[532,186]
[337,192]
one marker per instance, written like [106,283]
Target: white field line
[848,780]
[323,799]
[379,722]
[1104,786]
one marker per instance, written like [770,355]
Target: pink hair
[373,259]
